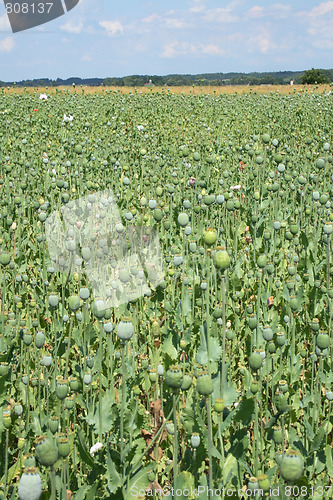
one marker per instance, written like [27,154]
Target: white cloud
[86,58]
[175,49]
[168,22]
[198,6]
[262,41]
[71,27]
[318,22]
[112,27]
[220,15]
[152,18]
[321,10]
[7,44]
[256,12]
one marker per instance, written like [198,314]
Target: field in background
[227,89]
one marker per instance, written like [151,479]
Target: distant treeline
[214,79]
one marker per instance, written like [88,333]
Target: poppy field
[205,369]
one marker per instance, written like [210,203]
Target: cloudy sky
[101,38]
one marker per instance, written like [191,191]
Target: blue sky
[101,38]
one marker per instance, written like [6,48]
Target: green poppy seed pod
[27,338]
[195,440]
[46,451]
[84,293]
[87,378]
[20,443]
[323,340]
[280,339]
[18,409]
[151,476]
[264,483]
[183,219]
[252,322]
[170,427]
[61,388]
[293,303]
[329,395]
[254,387]
[262,261]
[6,418]
[53,300]
[74,303]
[210,236]
[219,405]
[54,424]
[277,436]
[182,343]
[145,363]
[253,484]
[29,461]
[217,312]
[39,339]
[281,401]
[86,253]
[74,384]
[255,361]
[90,361]
[136,390]
[69,403]
[125,329]
[63,447]
[152,375]
[155,328]
[221,260]
[291,466]
[30,485]
[99,309]
[283,386]
[204,383]
[328,228]
[267,333]
[158,214]
[192,246]
[4,259]
[187,382]
[174,377]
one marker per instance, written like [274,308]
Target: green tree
[314,76]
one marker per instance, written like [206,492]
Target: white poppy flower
[68,119]
[235,188]
[43,97]
[95,448]
[140,128]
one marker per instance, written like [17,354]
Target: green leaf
[93,415]
[114,479]
[318,439]
[245,411]
[215,352]
[81,494]
[230,468]
[168,347]
[35,423]
[329,462]
[241,228]
[83,450]
[91,494]
[139,481]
